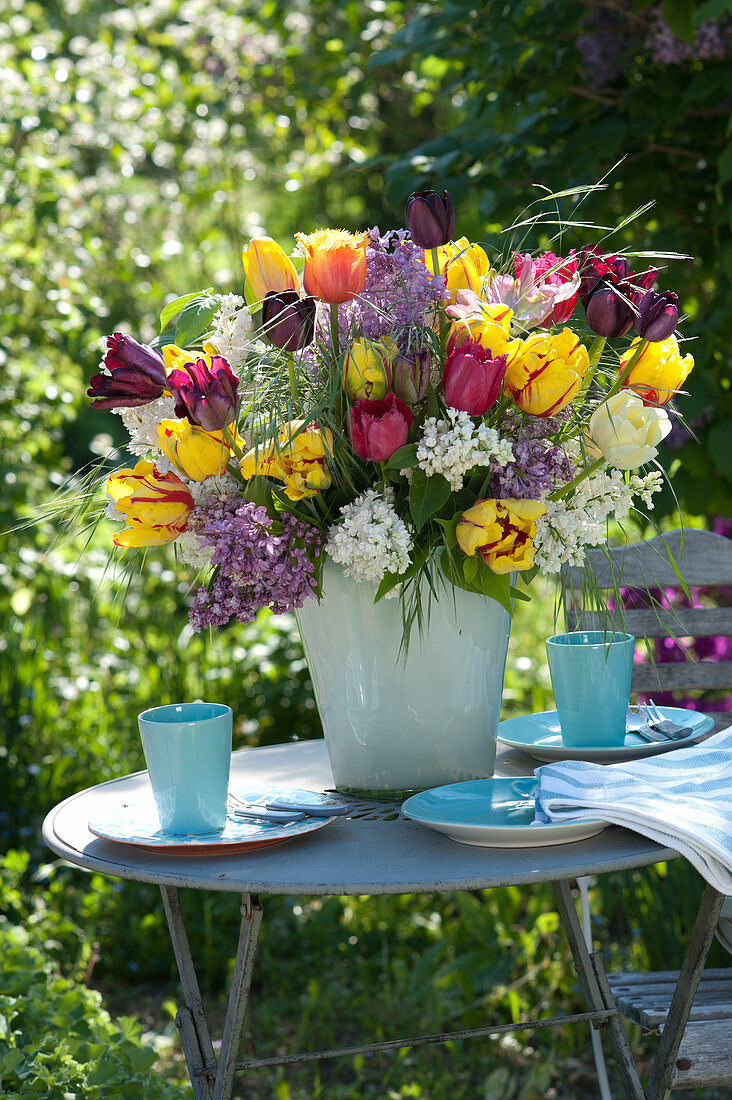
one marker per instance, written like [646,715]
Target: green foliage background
[140,144]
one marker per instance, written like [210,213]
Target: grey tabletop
[376,853]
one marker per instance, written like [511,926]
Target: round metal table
[375,850]
[380,852]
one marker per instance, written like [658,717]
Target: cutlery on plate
[648,733]
[313,809]
[673,730]
[290,808]
[262,813]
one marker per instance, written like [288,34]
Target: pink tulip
[378,428]
[472,379]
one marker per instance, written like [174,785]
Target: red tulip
[378,428]
[472,379]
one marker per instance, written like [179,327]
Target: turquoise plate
[135,821]
[493,813]
[540,736]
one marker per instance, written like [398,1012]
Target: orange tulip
[335,264]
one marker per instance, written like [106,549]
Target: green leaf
[404,458]
[449,526]
[195,318]
[679,14]
[426,496]
[167,336]
[174,307]
[259,490]
[470,568]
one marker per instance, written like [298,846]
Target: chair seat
[705,1054]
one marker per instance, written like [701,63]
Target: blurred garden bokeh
[141,145]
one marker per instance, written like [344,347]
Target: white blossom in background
[452,447]
[142,425]
[572,523]
[370,540]
[231,330]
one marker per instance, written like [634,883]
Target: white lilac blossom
[370,540]
[452,447]
[572,523]
[142,423]
[231,330]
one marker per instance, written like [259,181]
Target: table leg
[191,1018]
[596,989]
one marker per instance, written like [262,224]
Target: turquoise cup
[591,671]
[187,750]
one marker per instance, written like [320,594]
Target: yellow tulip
[173,357]
[366,370]
[490,328]
[267,267]
[464,265]
[155,506]
[335,264]
[195,453]
[545,372]
[501,532]
[299,459]
[659,371]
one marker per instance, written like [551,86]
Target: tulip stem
[594,357]
[628,368]
[293,382]
[572,485]
[334,333]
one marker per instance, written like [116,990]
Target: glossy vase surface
[394,724]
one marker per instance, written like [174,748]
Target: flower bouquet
[394,425]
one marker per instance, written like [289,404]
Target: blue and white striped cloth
[682,799]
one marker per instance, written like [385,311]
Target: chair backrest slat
[706,560]
[677,622]
[682,675]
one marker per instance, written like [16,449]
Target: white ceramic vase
[395,725]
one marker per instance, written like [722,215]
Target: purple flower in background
[261,562]
[135,375]
[205,392]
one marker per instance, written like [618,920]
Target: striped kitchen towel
[681,799]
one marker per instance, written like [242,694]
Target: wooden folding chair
[704,1056]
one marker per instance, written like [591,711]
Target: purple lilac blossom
[257,565]
[398,295]
[537,466]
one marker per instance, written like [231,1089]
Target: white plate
[135,821]
[540,736]
[493,813]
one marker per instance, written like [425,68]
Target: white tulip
[627,433]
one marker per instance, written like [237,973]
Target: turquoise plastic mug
[591,671]
[187,750]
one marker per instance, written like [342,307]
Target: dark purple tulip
[658,315]
[205,392]
[288,319]
[610,308]
[430,219]
[136,375]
